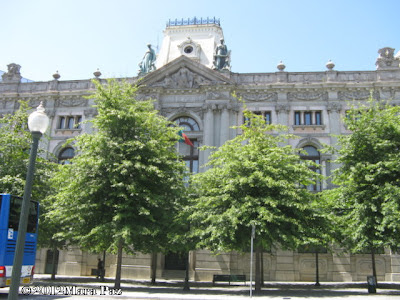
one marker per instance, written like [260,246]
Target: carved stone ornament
[13,74]
[334,107]
[307,96]
[386,59]
[190,49]
[183,79]
[257,97]
[357,95]
[71,102]
[90,112]
[284,108]
[213,95]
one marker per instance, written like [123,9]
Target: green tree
[124,184]
[15,144]
[254,179]
[367,199]
[14,156]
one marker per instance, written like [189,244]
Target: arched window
[190,154]
[313,154]
[65,155]
[187,123]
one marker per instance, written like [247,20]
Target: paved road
[87,288]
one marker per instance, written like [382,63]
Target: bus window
[15,211]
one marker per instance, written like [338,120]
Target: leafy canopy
[367,199]
[126,179]
[256,178]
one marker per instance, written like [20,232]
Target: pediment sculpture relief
[183,79]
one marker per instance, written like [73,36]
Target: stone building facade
[190,88]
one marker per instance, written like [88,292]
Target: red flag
[185,139]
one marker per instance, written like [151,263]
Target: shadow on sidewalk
[271,289]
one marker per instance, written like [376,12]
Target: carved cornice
[211,95]
[144,97]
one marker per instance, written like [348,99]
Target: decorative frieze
[70,101]
[258,97]
[307,96]
[358,95]
[145,97]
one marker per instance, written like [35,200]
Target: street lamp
[37,123]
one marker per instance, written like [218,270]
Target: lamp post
[37,123]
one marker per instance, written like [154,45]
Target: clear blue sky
[76,37]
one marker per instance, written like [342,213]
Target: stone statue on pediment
[147,64]
[221,57]
[13,74]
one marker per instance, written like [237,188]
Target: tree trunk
[103,272]
[258,271]
[186,286]
[153,267]
[373,264]
[117,284]
[53,261]
[262,267]
[316,268]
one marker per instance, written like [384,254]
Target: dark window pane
[307,118]
[318,118]
[297,119]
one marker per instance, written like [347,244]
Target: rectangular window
[268,117]
[265,114]
[61,124]
[69,122]
[318,118]
[78,122]
[297,118]
[307,118]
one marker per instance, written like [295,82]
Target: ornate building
[192,84]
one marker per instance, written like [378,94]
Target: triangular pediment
[184,73]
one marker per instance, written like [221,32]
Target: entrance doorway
[48,269]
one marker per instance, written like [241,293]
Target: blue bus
[10,209]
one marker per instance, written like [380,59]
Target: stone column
[224,134]
[89,114]
[282,111]
[208,130]
[334,126]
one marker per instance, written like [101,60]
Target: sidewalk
[67,287]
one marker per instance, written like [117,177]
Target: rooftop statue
[221,57]
[147,64]
[13,74]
